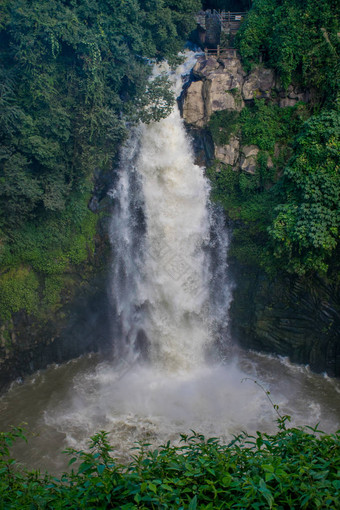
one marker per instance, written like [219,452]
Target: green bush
[294,468]
[306,226]
[222,125]
[264,124]
[72,74]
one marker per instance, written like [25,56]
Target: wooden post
[206,52]
[218,51]
[229,20]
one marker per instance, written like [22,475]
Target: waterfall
[170,297]
[169,247]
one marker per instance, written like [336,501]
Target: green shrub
[306,227]
[294,468]
[264,124]
[222,125]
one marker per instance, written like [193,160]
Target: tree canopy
[72,74]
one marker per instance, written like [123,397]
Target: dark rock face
[213,30]
[203,146]
[289,316]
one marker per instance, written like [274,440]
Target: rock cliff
[221,84]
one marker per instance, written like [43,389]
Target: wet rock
[203,146]
[287,315]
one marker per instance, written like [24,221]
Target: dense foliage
[293,468]
[250,200]
[288,211]
[228,5]
[72,73]
[298,38]
[306,225]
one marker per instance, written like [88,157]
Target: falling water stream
[175,368]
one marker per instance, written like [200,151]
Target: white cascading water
[170,299]
[163,270]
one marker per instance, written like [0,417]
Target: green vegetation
[228,5]
[250,200]
[287,215]
[297,38]
[293,468]
[262,123]
[72,74]
[306,225]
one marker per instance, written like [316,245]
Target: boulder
[270,163]
[228,154]
[259,82]
[218,88]
[287,101]
[293,95]
[205,66]
[250,150]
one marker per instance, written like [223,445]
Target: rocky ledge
[222,84]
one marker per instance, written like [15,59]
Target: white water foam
[163,271]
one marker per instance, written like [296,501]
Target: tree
[306,227]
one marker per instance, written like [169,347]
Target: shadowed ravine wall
[80,324]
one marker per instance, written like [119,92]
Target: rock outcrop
[248,158]
[258,83]
[194,109]
[221,84]
[293,95]
[216,86]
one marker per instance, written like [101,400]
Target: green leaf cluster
[294,468]
[307,223]
[286,218]
[262,123]
[250,199]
